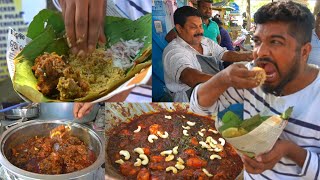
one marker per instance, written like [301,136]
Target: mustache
[199,34]
[268,60]
[265,59]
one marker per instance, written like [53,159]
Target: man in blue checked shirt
[281,47]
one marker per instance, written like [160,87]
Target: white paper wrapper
[17,41]
[262,138]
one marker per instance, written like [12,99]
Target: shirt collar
[186,45]
[210,21]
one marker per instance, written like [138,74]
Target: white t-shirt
[179,55]
[303,128]
[314,56]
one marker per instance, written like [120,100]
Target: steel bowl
[22,132]
[51,111]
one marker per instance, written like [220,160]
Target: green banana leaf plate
[47,34]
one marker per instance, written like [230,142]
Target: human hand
[81,109]
[249,56]
[267,160]
[84,24]
[238,76]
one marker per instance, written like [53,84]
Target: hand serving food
[84,24]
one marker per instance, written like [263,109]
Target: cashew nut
[175,150]
[139,150]
[171,168]
[222,141]
[183,116]
[151,137]
[179,166]
[185,132]
[119,161]
[204,145]
[180,160]
[165,135]
[167,117]
[125,153]
[186,127]
[170,157]
[203,130]
[144,158]
[212,145]
[210,149]
[167,152]
[138,162]
[219,148]
[215,156]
[210,139]
[213,131]
[191,123]
[206,172]
[137,130]
[200,133]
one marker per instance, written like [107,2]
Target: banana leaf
[46,32]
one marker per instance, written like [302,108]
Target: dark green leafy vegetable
[233,126]
[287,113]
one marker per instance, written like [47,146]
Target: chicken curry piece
[57,78]
[59,154]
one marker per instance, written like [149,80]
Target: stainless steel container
[50,111]
[21,132]
[23,110]
[117,113]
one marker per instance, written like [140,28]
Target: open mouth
[271,71]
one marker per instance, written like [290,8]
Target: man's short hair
[181,14]
[298,16]
[200,1]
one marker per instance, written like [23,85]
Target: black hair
[181,14]
[200,1]
[217,20]
[298,16]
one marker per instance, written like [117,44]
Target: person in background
[245,22]
[281,47]
[314,57]
[225,39]
[211,28]
[192,3]
[191,58]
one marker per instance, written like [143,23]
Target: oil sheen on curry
[60,153]
[172,146]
